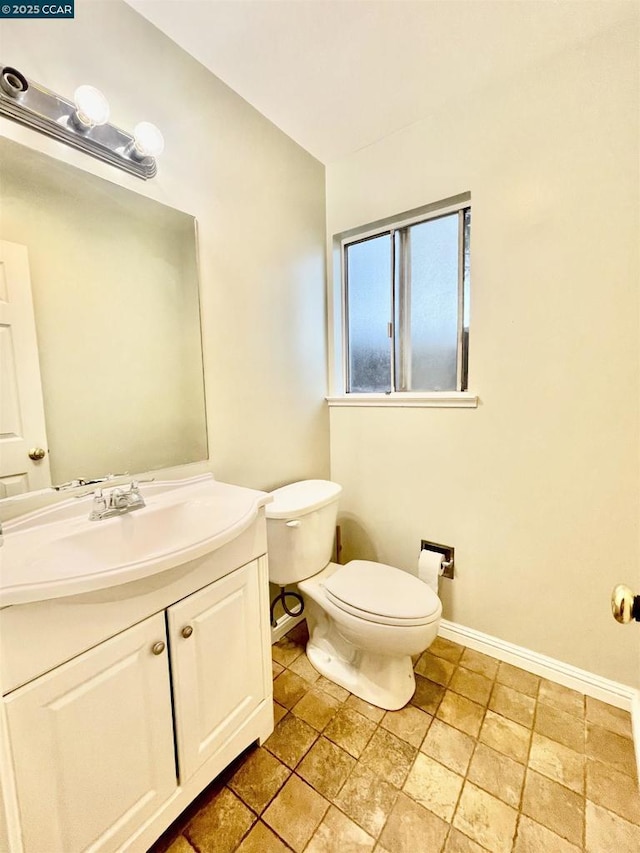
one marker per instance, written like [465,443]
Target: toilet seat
[376,592]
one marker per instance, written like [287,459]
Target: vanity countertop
[57,551]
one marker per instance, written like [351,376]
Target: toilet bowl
[365,619]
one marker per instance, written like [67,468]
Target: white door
[216,662]
[22,425]
[92,743]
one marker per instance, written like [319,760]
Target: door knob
[37,453]
[187,631]
[625,606]
[157,648]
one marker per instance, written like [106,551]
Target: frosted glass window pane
[466,290]
[369,312]
[466,275]
[433,300]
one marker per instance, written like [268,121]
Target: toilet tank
[301,525]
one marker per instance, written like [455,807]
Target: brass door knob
[187,631]
[37,453]
[625,606]
[158,648]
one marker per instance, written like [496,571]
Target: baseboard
[284,624]
[612,692]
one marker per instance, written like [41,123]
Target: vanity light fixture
[92,108]
[82,123]
[147,140]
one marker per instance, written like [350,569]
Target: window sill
[432,399]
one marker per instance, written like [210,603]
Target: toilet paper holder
[446,551]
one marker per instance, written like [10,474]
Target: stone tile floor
[486,757]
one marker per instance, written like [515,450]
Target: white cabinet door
[92,744]
[216,662]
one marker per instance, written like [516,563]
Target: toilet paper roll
[430,568]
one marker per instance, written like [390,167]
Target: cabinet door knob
[158,648]
[187,631]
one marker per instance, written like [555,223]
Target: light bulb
[147,140]
[92,106]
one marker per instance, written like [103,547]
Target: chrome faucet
[116,502]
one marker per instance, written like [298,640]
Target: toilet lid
[380,592]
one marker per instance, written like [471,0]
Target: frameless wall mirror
[112,278]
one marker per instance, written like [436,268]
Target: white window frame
[438,399]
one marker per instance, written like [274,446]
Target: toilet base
[384,681]
[369,659]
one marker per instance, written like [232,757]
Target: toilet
[365,619]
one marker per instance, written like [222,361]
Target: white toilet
[365,619]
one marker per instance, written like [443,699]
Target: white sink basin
[58,552]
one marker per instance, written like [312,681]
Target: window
[406,305]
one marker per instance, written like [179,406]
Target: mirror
[114,282]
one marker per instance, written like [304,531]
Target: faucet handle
[98,506]
[97,493]
[72,484]
[135,484]
[135,495]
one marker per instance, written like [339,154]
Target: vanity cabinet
[107,748]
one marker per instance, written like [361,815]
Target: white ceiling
[337,75]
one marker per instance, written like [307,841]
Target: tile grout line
[398,790]
[435,717]
[321,734]
[526,766]
[486,708]
[466,775]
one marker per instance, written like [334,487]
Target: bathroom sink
[58,552]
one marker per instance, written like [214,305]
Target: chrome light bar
[33,105]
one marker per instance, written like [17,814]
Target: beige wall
[538,488]
[259,201]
